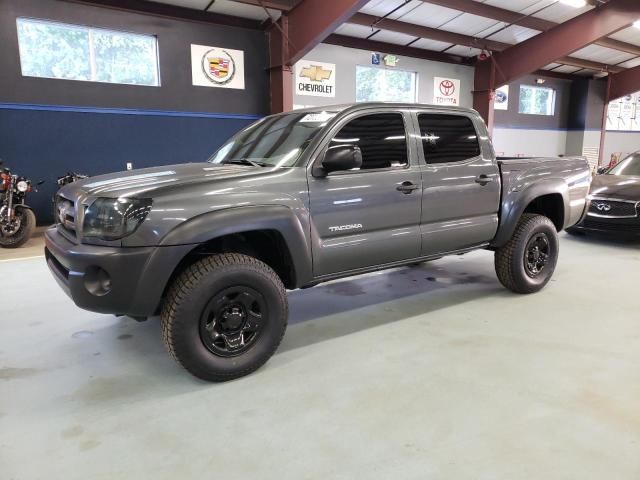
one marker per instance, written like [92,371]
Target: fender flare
[514,204]
[209,226]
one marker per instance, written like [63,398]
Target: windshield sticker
[318,117]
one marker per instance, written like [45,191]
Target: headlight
[115,218]
[22,186]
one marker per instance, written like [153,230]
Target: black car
[614,200]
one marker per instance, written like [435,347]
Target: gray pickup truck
[297,199]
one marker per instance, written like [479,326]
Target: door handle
[407,187]
[483,179]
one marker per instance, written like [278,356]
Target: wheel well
[551,206]
[267,246]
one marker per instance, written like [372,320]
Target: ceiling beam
[624,83]
[426,32]
[172,11]
[375,46]
[588,64]
[308,24]
[460,39]
[563,39]
[515,18]
[558,75]
[495,13]
[282,5]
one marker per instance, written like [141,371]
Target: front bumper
[132,280]
[622,226]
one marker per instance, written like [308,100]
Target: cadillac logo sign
[603,207]
[218,66]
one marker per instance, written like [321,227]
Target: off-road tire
[193,289]
[510,258]
[24,233]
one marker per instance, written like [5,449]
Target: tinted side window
[381,137]
[448,138]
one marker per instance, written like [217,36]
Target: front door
[369,216]
[461,182]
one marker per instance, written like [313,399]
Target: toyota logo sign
[447,88]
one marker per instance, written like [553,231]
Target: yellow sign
[316,73]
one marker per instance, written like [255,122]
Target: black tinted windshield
[629,166]
[273,141]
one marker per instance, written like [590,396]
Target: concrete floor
[430,372]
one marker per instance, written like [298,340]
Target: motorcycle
[70,177]
[17,220]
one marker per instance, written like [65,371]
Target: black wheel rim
[537,254]
[232,321]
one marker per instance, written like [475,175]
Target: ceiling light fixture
[574,3]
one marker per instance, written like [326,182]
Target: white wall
[512,142]
[346,60]
[625,142]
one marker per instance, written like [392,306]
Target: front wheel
[527,262]
[20,230]
[224,316]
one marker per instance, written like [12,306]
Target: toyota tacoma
[297,199]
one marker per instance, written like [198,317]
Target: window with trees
[74,52]
[537,100]
[375,84]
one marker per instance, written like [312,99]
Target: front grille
[621,225]
[65,214]
[612,208]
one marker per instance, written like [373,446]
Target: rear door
[461,183]
[370,216]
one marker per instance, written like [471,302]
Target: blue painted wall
[48,127]
[43,144]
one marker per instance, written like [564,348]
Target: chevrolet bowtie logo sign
[315,78]
[316,73]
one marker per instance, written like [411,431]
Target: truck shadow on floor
[348,306]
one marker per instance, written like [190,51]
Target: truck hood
[616,186]
[147,182]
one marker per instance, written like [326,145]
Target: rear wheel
[527,262]
[224,316]
[20,230]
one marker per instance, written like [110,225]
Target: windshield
[276,141]
[629,166]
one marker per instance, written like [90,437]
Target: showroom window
[385,85]
[381,138]
[448,138]
[74,52]
[537,100]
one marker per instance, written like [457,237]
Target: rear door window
[448,138]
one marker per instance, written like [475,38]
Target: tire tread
[186,281]
[505,255]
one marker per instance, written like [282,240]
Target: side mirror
[341,158]
[602,170]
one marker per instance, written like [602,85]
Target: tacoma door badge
[342,228]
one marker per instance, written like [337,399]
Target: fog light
[97,281]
